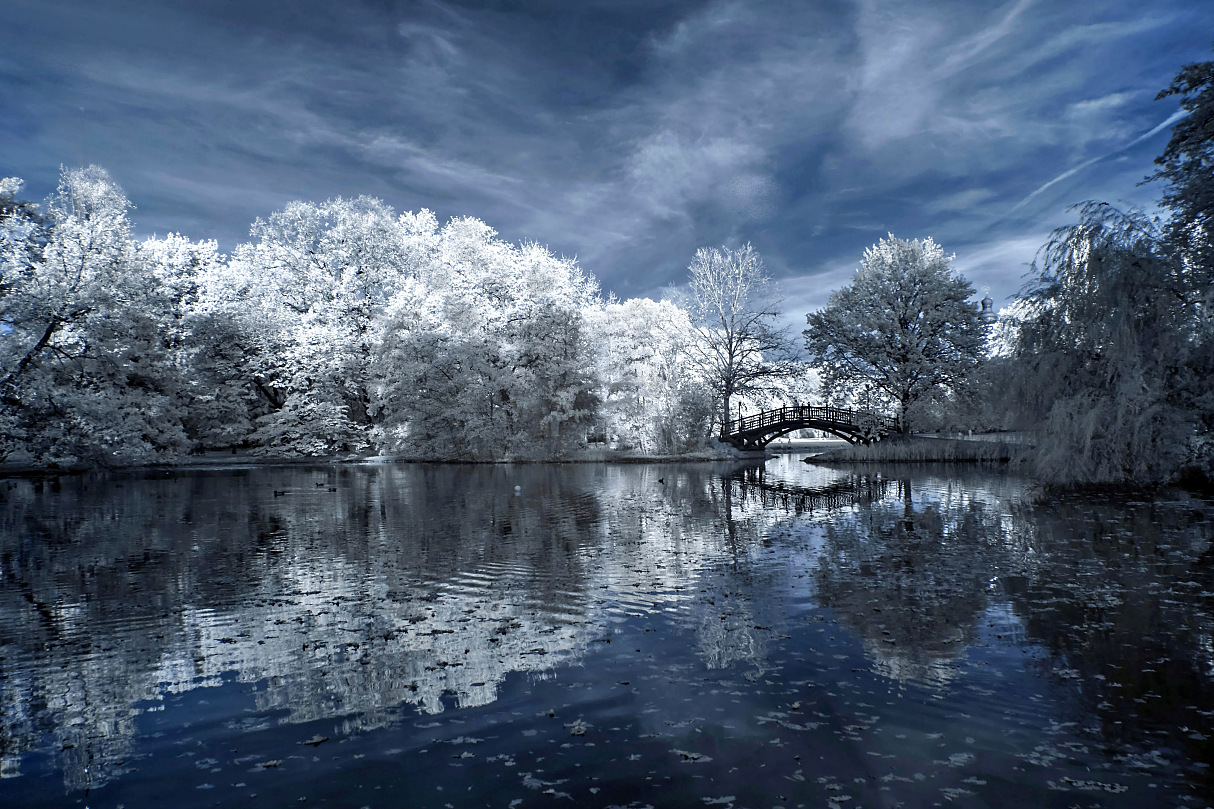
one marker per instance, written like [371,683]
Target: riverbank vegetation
[920,450]
[1111,348]
[344,328]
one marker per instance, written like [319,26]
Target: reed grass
[919,450]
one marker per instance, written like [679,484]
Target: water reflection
[351,592]
[1121,595]
[1118,594]
[368,596]
[912,579]
[822,496]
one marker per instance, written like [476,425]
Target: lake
[659,635]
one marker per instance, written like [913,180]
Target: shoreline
[987,448]
[828,451]
[220,460]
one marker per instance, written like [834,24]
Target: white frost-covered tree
[902,331]
[340,327]
[304,300]
[651,398]
[483,353]
[84,374]
[198,335]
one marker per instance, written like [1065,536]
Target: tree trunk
[12,375]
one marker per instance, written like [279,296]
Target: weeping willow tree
[1113,346]
[1104,334]
[1186,168]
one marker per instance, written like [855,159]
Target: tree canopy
[340,327]
[1187,162]
[740,350]
[88,370]
[903,330]
[1099,342]
[1113,342]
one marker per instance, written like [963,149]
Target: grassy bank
[919,450]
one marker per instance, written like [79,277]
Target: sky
[625,133]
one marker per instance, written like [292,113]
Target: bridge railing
[790,413]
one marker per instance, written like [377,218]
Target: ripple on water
[783,632]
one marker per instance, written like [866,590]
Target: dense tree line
[341,327]
[1111,347]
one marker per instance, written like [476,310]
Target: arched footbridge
[755,431]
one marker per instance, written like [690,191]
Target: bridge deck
[756,430]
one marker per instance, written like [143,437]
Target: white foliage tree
[199,334]
[739,349]
[306,298]
[902,331]
[483,352]
[651,398]
[341,327]
[23,233]
[83,368]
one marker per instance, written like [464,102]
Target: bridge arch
[825,427]
[756,431]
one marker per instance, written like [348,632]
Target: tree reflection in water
[912,582]
[407,588]
[247,602]
[400,587]
[1121,594]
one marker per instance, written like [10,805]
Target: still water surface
[665,635]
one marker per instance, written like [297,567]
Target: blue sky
[627,133]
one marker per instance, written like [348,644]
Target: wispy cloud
[961,55]
[628,138]
[1171,119]
[999,266]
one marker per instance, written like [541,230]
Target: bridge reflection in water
[755,431]
[852,490]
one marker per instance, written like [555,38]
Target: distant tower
[988,311]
